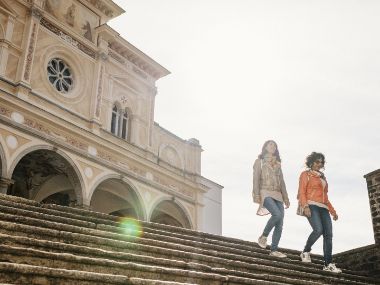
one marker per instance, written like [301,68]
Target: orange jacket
[311,188]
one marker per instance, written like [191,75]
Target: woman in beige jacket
[269,191]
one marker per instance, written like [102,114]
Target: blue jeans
[276,208]
[320,221]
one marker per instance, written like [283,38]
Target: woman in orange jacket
[317,208]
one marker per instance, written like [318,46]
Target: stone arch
[3,163]
[170,154]
[40,164]
[170,211]
[116,195]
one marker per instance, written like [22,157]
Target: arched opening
[168,212]
[46,176]
[115,197]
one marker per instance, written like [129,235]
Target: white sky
[304,73]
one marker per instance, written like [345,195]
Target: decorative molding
[77,143]
[29,56]
[123,99]
[139,73]
[36,12]
[67,38]
[106,156]
[120,53]
[100,89]
[102,7]
[116,57]
[5,112]
[35,125]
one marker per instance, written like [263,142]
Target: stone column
[4,184]
[373,185]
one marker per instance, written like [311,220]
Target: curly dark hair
[264,151]
[313,157]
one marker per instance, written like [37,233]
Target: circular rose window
[60,75]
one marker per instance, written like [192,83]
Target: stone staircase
[51,244]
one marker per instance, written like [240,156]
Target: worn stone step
[131,268]
[176,240]
[41,275]
[184,234]
[236,255]
[119,256]
[122,246]
[111,222]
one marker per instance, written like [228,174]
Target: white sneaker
[332,268]
[305,257]
[262,241]
[277,254]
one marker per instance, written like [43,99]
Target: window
[59,75]
[124,129]
[119,122]
[115,119]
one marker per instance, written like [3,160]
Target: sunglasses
[319,162]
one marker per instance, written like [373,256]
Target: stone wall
[361,259]
[373,185]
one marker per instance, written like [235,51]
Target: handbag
[300,210]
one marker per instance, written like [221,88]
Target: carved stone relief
[75,15]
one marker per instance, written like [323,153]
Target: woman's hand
[335,217]
[307,211]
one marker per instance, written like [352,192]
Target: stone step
[132,269]
[141,259]
[184,234]
[40,275]
[117,247]
[220,245]
[200,248]
[164,241]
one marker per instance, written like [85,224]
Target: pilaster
[36,14]
[102,58]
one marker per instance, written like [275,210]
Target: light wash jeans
[276,208]
[320,221]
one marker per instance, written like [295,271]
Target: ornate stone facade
[59,146]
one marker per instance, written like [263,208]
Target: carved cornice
[141,68]
[106,7]
[100,5]
[54,29]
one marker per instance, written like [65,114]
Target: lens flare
[131,228]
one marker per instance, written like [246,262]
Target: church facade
[77,120]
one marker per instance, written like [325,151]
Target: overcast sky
[304,73]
